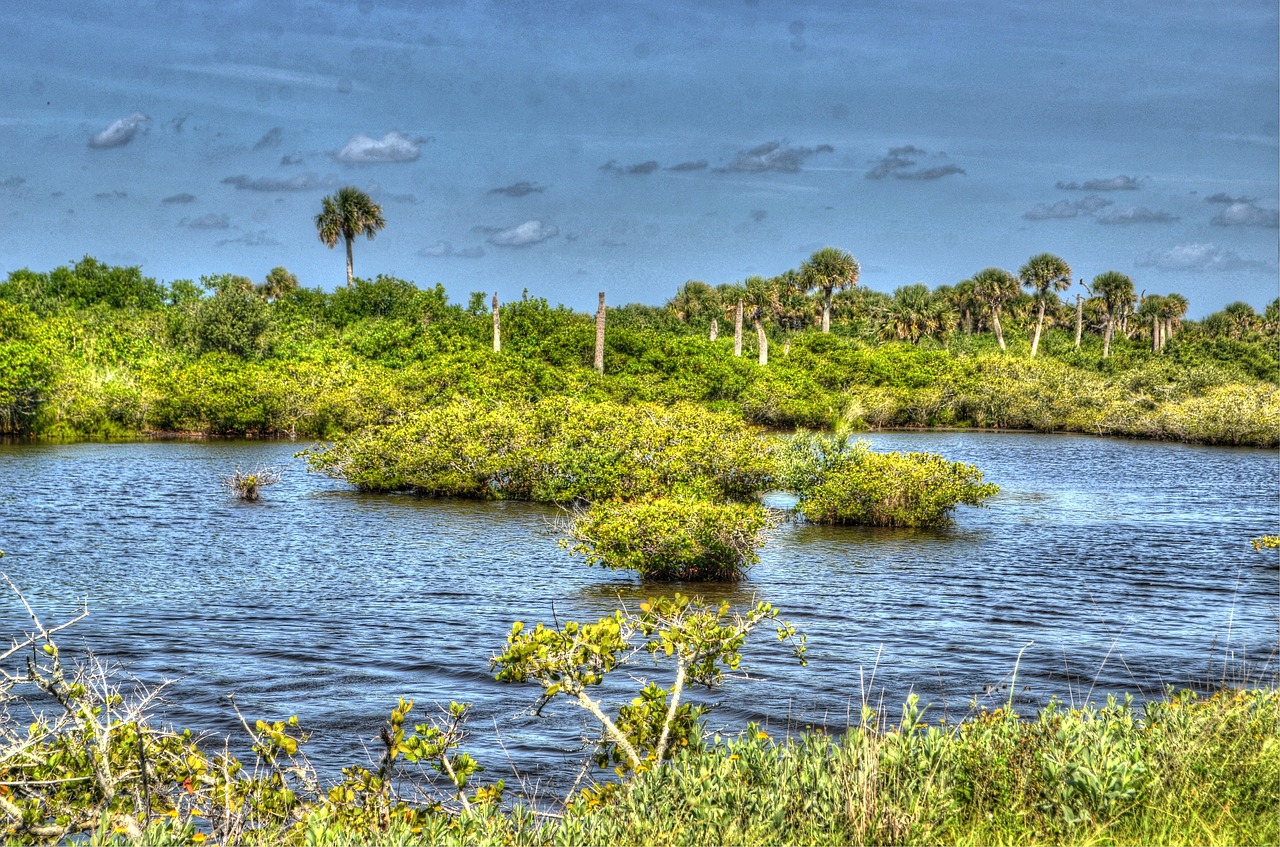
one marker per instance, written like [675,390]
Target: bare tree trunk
[1155,334]
[786,346]
[715,327]
[1035,342]
[600,336]
[826,311]
[995,325]
[737,330]
[1107,333]
[497,328]
[349,267]
[1079,319]
[762,340]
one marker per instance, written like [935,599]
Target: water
[1125,565]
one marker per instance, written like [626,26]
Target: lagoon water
[1125,565]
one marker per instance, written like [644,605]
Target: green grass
[1184,770]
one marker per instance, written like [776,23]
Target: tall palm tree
[732,300]
[348,213]
[761,299]
[1116,292]
[1045,274]
[1175,309]
[829,270]
[993,287]
[1151,309]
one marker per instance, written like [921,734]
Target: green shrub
[671,539]
[843,483]
[232,321]
[558,450]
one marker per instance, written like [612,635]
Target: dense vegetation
[661,459]
[90,351]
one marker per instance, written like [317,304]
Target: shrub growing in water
[671,539]
[843,483]
[248,485]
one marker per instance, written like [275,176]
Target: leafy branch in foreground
[703,641]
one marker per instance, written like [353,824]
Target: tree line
[94,350]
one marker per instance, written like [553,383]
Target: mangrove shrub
[843,483]
[671,539]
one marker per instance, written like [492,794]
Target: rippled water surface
[1126,563]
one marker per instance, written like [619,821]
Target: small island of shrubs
[671,492]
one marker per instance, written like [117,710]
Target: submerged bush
[843,483]
[672,539]
[248,485]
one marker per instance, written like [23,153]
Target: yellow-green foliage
[666,539]
[1181,771]
[839,482]
[557,450]
[96,351]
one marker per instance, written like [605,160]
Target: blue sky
[573,147]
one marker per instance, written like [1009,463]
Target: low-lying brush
[1181,770]
[671,539]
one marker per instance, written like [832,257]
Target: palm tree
[993,287]
[961,298]
[915,313]
[1044,274]
[277,284]
[829,270]
[1270,315]
[1151,309]
[732,298]
[1116,292]
[1175,309]
[693,300]
[761,299]
[348,213]
[792,309]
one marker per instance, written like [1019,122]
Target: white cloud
[518,189]
[1115,183]
[444,249]
[900,161]
[529,232]
[1198,257]
[119,133]
[213,220]
[302,182]
[260,73]
[1137,215]
[261,238]
[1226,199]
[1247,214]
[392,147]
[774,156]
